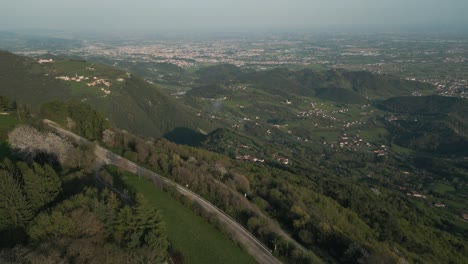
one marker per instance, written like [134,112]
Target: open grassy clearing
[71,67]
[83,89]
[402,150]
[441,188]
[189,233]
[7,122]
[375,135]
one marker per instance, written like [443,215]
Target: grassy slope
[353,85]
[134,104]
[144,109]
[22,79]
[6,124]
[198,241]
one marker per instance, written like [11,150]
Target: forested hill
[427,105]
[430,123]
[335,85]
[128,101]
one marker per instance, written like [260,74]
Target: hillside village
[90,81]
[95,81]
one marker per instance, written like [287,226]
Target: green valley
[353,167]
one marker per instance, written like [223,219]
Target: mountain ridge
[130,103]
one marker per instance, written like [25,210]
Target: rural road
[249,242]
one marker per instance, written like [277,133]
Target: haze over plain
[225,15]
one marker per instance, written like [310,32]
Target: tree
[300,216]
[87,122]
[142,150]
[51,226]
[41,184]
[5,103]
[242,183]
[150,231]
[15,210]
[81,157]
[108,211]
[123,226]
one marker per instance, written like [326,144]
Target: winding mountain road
[250,243]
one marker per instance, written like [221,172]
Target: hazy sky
[227,15]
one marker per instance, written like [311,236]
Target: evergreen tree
[124,225]
[41,184]
[108,210]
[150,228]
[5,103]
[15,211]
[52,182]
[54,225]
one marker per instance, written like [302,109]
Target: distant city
[439,59]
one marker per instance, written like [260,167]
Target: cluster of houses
[42,61]
[328,115]
[340,111]
[237,87]
[354,142]
[282,160]
[98,82]
[448,87]
[201,115]
[74,79]
[351,142]
[416,194]
[353,123]
[249,158]
[391,118]
[317,112]
[107,92]
[419,195]
[95,81]
[382,151]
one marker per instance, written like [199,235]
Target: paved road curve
[251,244]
